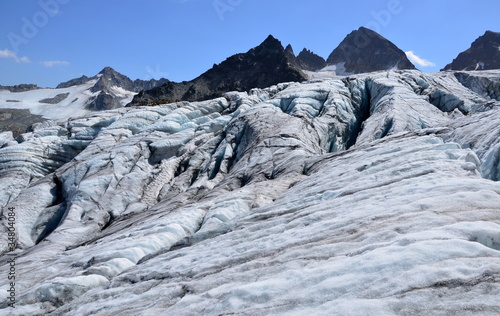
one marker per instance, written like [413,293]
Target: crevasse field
[373,194]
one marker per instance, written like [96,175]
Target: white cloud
[10,54]
[419,61]
[52,63]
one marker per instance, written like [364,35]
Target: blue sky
[49,41]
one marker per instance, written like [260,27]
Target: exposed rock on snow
[369,194]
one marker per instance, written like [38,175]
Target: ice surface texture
[369,194]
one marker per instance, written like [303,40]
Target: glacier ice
[366,194]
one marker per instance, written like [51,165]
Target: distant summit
[263,66]
[483,54]
[25,104]
[364,50]
[108,77]
[108,85]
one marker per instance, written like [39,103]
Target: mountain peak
[270,43]
[364,50]
[262,66]
[483,54]
[107,71]
[271,39]
[488,32]
[111,78]
[310,61]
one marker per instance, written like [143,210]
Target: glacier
[365,194]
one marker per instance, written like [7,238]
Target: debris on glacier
[366,194]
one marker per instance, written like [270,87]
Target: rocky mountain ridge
[109,77]
[364,50]
[20,87]
[361,51]
[484,54]
[262,66]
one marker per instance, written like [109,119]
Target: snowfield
[371,194]
[74,102]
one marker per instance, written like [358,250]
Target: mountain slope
[483,54]
[372,194]
[262,66]
[107,90]
[364,50]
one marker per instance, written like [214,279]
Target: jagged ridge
[262,66]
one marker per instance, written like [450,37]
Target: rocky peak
[289,50]
[306,60]
[262,66]
[310,61]
[364,50]
[108,71]
[270,44]
[109,77]
[483,54]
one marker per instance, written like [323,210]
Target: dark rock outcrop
[103,101]
[17,121]
[483,54]
[73,82]
[20,87]
[58,98]
[310,61]
[306,60]
[364,50]
[262,66]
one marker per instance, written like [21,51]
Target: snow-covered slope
[373,194]
[59,104]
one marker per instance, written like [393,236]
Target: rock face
[306,60]
[374,194]
[262,66]
[310,61]
[364,50]
[483,54]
